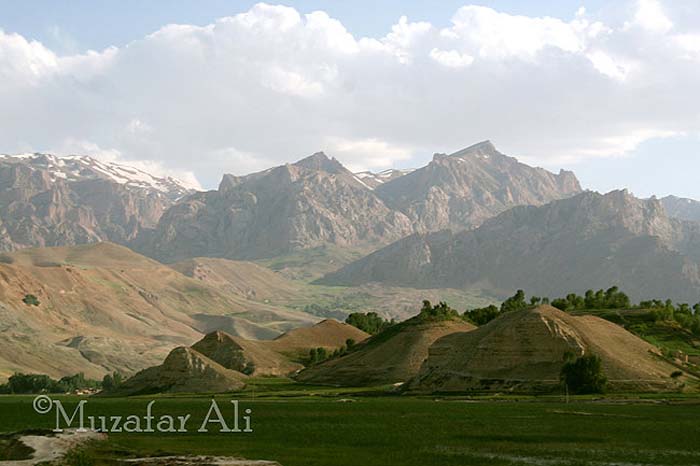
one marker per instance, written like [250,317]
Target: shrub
[440,311]
[676,374]
[515,303]
[583,375]
[30,300]
[78,457]
[369,322]
[249,368]
[483,315]
[41,383]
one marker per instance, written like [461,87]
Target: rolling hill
[249,356]
[392,356]
[220,362]
[241,278]
[103,307]
[524,351]
[185,370]
[329,334]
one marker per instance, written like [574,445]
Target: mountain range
[681,208]
[588,241]
[313,202]
[461,190]
[316,202]
[62,201]
[474,219]
[90,241]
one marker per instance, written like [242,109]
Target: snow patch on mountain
[83,167]
[372,180]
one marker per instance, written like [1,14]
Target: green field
[310,426]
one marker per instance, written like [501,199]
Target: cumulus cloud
[650,15]
[272,85]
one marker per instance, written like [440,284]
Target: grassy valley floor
[307,426]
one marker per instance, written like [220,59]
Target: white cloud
[500,35]
[690,43]
[272,85]
[451,58]
[136,127]
[650,15]
[606,65]
[71,146]
[363,154]
[24,62]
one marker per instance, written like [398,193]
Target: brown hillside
[240,277]
[524,351]
[236,353]
[329,334]
[392,356]
[105,308]
[184,371]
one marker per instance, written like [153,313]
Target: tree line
[321,354]
[40,383]
[20,383]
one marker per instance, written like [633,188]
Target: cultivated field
[306,426]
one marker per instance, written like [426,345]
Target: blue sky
[607,93]
[96,25]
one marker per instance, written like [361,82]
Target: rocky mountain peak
[588,241]
[681,208]
[229,181]
[464,189]
[482,149]
[321,162]
[48,200]
[621,208]
[74,168]
[313,202]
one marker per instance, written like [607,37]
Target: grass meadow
[314,426]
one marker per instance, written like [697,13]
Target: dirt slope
[524,350]
[240,277]
[184,371]
[104,308]
[392,356]
[236,353]
[329,334]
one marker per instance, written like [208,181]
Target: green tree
[583,375]
[369,322]
[515,303]
[249,368]
[107,383]
[483,315]
[441,311]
